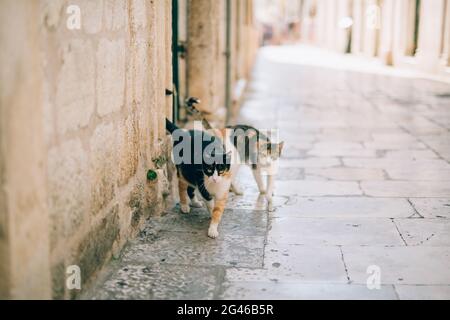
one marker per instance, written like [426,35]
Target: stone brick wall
[89,105]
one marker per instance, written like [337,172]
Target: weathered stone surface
[253,200]
[346,207]
[234,222]
[128,149]
[138,8]
[395,145]
[393,163]
[411,154]
[311,263]
[96,247]
[69,189]
[158,282]
[115,14]
[400,265]
[317,188]
[103,166]
[334,231]
[75,92]
[110,76]
[184,248]
[341,151]
[423,292]
[290,174]
[92,13]
[405,189]
[58,272]
[316,162]
[276,290]
[439,143]
[425,232]
[432,208]
[347,174]
[412,174]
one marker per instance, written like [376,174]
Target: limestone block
[103,166]
[94,250]
[110,76]
[139,12]
[115,14]
[91,16]
[75,91]
[68,183]
[128,152]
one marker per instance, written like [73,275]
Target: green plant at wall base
[152,175]
[159,162]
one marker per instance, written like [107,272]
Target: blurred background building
[404,33]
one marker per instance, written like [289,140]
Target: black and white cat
[207,164]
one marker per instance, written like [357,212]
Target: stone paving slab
[425,232]
[275,290]
[317,188]
[254,201]
[418,265]
[234,222]
[423,292]
[412,174]
[313,162]
[392,163]
[406,189]
[346,207]
[159,282]
[347,174]
[304,263]
[432,208]
[299,264]
[334,232]
[337,151]
[394,145]
[196,249]
[410,154]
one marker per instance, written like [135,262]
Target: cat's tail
[170,126]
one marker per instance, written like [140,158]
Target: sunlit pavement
[362,195]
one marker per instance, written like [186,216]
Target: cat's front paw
[185,208]
[212,231]
[195,203]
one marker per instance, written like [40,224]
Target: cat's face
[218,168]
[269,153]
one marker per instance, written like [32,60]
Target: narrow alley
[362,195]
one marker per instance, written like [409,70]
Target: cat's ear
[280,147]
